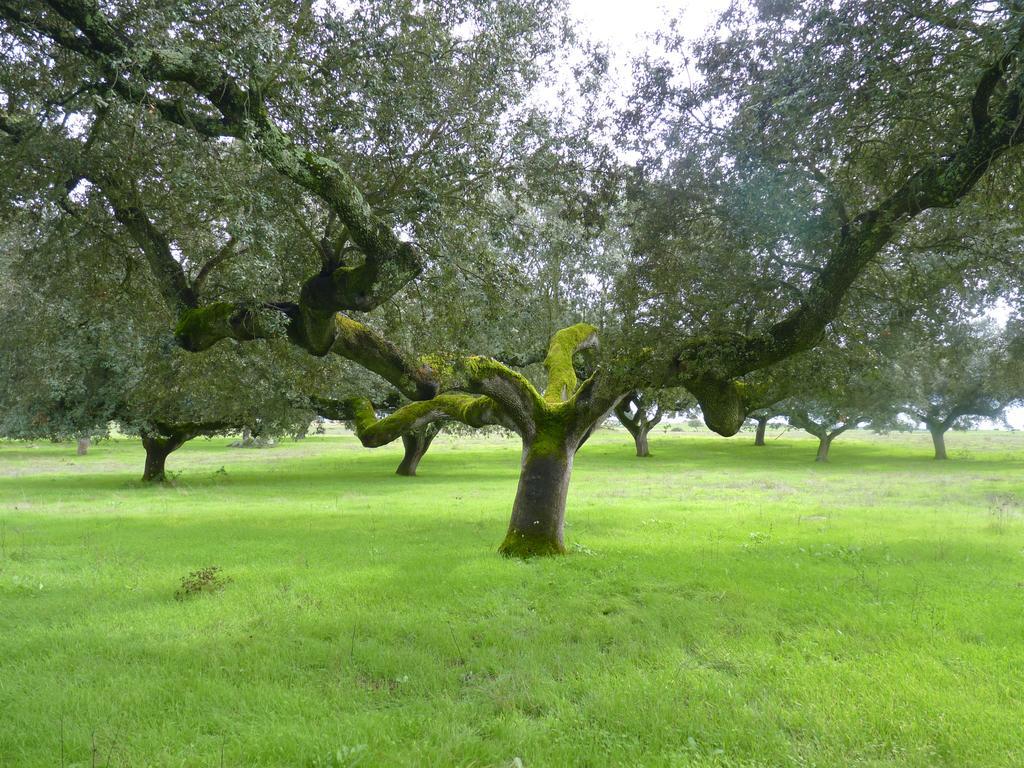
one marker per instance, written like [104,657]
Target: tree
[416,444]
[953,374]
[265,388]
[837,387]
[751,296]
[639,417]
[761,419]
[62,371]
[78,358]
[641,411]
[552,425]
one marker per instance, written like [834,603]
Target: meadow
[722,605]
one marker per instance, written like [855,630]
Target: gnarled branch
[474,411]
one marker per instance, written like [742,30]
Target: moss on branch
[472,410]
[562,379]
[201,328]
[722,403]
[359,343]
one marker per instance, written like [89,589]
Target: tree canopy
[379,181]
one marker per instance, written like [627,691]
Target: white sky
[623,24]
[625,27]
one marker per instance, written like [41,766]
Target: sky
[623,24]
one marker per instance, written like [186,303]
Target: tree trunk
[157,451]
[762,423]
[416,444]
[83,446]
[641,442]
[939,441]
[538,513]
[824,443]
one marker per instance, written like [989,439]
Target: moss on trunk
[538,512]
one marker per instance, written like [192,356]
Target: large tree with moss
[395,124]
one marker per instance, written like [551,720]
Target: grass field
[723,605]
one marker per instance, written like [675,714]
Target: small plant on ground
[204,581]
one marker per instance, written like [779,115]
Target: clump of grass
[204,581]
[1001,512]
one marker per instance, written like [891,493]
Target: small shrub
[205,580]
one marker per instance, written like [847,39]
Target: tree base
[521,545]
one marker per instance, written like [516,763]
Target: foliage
[954,373]
[74,361]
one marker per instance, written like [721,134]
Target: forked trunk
[939,441]
[83,446]
[416,444]
[538,513]
[762,423]
[157,451]
[824,443]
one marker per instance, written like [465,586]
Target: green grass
[724,605]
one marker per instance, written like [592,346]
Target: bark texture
[537,526]
[83,446]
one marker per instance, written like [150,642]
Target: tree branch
[474,411]
[389,264]
[562,379]
[707,366]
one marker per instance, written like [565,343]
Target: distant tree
[842,386]
[62,371]
[640,411]
[760,419]
[416,444]
[264,389]
[78,357]
[954,374]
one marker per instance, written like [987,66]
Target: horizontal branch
[707,366]
[201,328]
[474,411]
